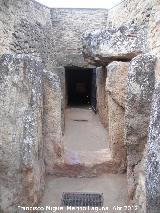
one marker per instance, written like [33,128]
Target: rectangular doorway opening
[80,87]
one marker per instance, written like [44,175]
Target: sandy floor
[84,131]
[112,186]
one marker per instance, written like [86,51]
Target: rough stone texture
[55,38]
[60,71]
[116,87]
[23,30]
[141,79]
[144,12]
[51,35]
[154,33]
[52,121]
[102,106]
[24,88]
[114,44]
[140,12]
[140,176]
[137,11]
[68,26]
[153,157]
[21,114]
[116,83]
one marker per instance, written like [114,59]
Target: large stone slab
[116,88]
[116,84]
[141,80]
[52,126]
[21,137]
[153,156]
[113,44]
[24,87]
[102,99]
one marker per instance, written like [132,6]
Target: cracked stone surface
[153,160]
[116,88]
[116,83]
[22,130]
[141,80]
[101,47]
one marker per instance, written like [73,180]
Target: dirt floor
[85,135]
[84,131]
[112,186]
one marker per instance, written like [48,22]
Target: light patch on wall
[80,3]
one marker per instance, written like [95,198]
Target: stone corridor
[84,131]
[112,186]
[52,58]
[85,136]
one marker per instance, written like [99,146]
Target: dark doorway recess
[81,86]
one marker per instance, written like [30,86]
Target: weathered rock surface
[60,71]
[116,87]
[141,80]
[68,24]
[22,164]
[102,98]
[113,44]
[52,131]
[22,138]
[153,156]
[116,84]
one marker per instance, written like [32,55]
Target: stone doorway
[83,129]
[85,138]
[80,87]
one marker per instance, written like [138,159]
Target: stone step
[87,164]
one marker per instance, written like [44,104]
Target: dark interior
[78,86]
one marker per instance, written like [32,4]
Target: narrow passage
[84,131]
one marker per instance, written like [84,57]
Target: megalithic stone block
[141,81]
[101,47]
[153,156]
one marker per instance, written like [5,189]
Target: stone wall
[30,95]
[54,35]
[51,35]
[23,30]
[129,11]
[52,122]
[116,90]
[22,158]
[153,162]
[141,81]
[68,26]
[30,126]
[32,100]
[145,13]
[139,12]
[102,99]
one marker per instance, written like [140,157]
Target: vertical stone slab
[102,105]
[52,133]
[21,138]
[60,71]
[116,87]
[153,156]
[141,79]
